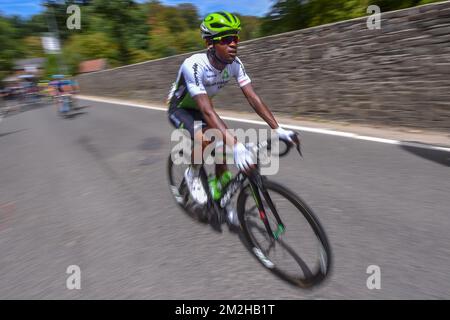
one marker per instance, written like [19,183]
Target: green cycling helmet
[218,24]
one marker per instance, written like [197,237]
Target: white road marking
[287,126]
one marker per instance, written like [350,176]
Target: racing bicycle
[278,228]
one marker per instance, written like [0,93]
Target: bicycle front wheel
[297,251]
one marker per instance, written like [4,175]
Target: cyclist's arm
[260,107]
[212,119]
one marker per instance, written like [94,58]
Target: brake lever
[299,149]
[297,144]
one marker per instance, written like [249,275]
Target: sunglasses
[227,39]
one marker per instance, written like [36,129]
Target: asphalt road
[92,191]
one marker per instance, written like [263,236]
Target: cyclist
[199,78]
[64,90]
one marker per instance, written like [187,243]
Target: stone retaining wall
[398,75]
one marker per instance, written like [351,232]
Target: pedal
[217,220]
[202,215]
[215,223]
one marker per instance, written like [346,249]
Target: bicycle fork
[257,186]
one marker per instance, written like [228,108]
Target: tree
[250,27]
[173,29]
[162,42]
[287,15]
[122,31]
[9,48]
[190,14]
[189,40]
[119,16]
[33,47]
[90,46]
[51,66]
[389,5]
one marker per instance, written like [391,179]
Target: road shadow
[72,116]
[34,105]
[419,149]
[15,107]
[80,108]
[11,132]
[151,144]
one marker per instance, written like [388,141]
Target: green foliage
[251,27]
[140,55]
[32,47]
[190,15]
[162,42]
[287,15]
[128,31]
[388,5]
[89,46]
[51,66]
[9,48]
[174,30]
[189,40]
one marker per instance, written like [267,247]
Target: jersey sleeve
[241,76]
[193,76]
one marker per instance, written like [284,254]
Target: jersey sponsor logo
[195,68]
[219,84]
[225,75]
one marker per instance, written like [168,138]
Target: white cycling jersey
[198,76]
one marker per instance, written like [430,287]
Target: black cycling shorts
[185,118]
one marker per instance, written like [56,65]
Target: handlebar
[267,145]
[289,145]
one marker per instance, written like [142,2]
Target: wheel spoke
[271,246]
[306,270]
[298,263]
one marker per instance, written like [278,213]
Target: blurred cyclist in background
[200,77]
[63,90]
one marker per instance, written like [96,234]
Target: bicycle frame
[257,187]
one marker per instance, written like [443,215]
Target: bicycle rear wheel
[300,252]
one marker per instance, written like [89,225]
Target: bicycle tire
[309,279]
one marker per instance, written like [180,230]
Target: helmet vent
[217,25]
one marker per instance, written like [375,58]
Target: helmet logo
[219,22]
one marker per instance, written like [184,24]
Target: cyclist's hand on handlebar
[291,137]
[287,135]
[243,158]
